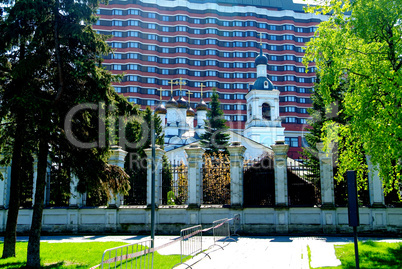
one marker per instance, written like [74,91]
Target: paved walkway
[279,252]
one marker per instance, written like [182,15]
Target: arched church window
[266,111]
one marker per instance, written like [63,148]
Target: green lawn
[371,255]
[75,255]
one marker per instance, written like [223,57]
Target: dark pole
[356,246]
[153,182]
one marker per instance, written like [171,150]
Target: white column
[117,158]
[75,200]
[158,167]
[236,151]
[376,190]
[326,175]
[281,174]
[194,153]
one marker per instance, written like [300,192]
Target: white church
[263,126]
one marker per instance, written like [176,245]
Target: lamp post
[153,181]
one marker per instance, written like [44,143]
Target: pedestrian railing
[137,255]
[141,255]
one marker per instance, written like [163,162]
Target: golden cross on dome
[180,83]
[171,82]
[189,94]
[201,85]
[260,34]
[161,90]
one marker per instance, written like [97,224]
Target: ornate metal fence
[216,180]
[259,182]
[174,187]
[304,187]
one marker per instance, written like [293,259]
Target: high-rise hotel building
[212,43]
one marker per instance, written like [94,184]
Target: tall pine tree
[215,139]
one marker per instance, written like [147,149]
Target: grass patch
[371,255]
[75,255]
[309,256]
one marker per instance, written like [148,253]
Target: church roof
[201,105]
[181,103]
[161,109]
[262,83]
[171,103]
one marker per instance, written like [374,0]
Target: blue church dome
[262,83]
[261,59]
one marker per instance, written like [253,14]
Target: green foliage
[215,139]
[363,51]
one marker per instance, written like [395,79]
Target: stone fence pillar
[281,174]
[194,153]
[326,175]
[236,151]
[158,175]
[116,158]
[376,190]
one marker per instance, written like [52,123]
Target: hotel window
[117,23]
[151,80]
[133,12]
[226,33]
[302,100]
[301,80]
[272,37]
[132,78]
[117,67]
[117,89]
[303,110]
[181,29]
[272,27]
[226,86]
[210,52]
[288,57]
[300,39]
[239,54]
[210,20]
[301,69]
[302,121]
[211,73]
[181,50]
[226,75]
[290,120]
[197,42]
[181,18]
[197,31]
[197,52]
[132,56]
[181,39]
[182,71]
[117,34]
[237,33]
[226,65]
[165,18]
[289,27]
[116,56]
[151,26]
[197,74]
[152,37]
[289,78]
[290,109]
[133,66]
[165,72]
[117,45]
[197,63]
[227,117]
[180,60]
[165,82]
[211,42]
[197,21]
[226,107]
[165,29]
[165,39]
[210,62]
[133,89]
[132,100]
[289,88]
[288,68]
[302,90]
[292,141]
[133,33]
[238,86]
[274,78]
[238,75]
[290,99]
[273,47]
[151,58]
[299,30]
[133,45]
[165,50]
[152,15]
[274,58]
[151,69]
[238,44]
[288,37]
[151,47]
[197,95]
[151,91]
[150,102]
[225,23]
[211,83]
[226,54]
[261,25]
[288,47]
[211,31]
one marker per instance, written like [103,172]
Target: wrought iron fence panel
[216,184]
[174,187]
[304,187]
[259,183]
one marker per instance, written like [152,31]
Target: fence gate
[259,183]
[174,187]
[304,188]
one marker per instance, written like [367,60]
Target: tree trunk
[33,257]
[10,236]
